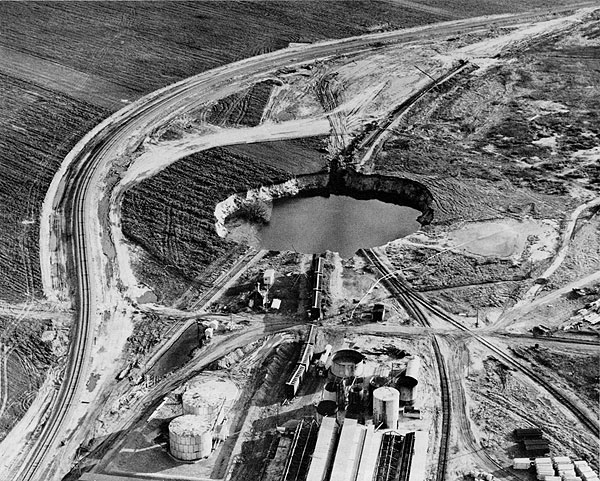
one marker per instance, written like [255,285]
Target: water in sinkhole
[336,223]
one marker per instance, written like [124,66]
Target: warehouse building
[365,454]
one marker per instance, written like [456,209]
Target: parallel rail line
[409,303]
[407,293]
[131,123]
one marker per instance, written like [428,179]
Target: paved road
[70,214]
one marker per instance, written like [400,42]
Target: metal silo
[386,404]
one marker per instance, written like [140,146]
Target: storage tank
[407,395]
[355,399]
[330,391]
[411,376]
[214,325]
[208,333]
[386,404]
[190,437]
[200,400]
[326,408]
[347,363]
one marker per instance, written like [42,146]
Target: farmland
[172,214]
[37,129]
[27,361]
[133,48]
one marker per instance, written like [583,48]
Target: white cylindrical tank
[208,333]
[412,369]
[190,438]
[386,404]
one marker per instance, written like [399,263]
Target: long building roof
[323,450]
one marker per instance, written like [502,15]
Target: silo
[330,391]
[412,371]
[347,363]
[190,438]
[386,404]
[407,383]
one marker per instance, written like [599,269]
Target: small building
[268,278]
[378,313]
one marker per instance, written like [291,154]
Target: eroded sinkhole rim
[390,190]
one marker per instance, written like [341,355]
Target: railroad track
[122,133]
[396,287]
[407,293]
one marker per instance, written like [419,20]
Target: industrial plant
[360,434]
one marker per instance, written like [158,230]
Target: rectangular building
[324,450]
[347,458]
[368,457]
[419,459]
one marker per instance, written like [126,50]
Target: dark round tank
[330,386]
[355,399]
[327,408]
[377,382]
[347,363]
[406,381]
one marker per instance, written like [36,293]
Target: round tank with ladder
[386,406]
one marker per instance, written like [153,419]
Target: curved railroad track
[72,196]
[407,293]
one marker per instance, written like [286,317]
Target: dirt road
[75,224]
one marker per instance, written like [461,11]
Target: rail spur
[395,286]
[411,301]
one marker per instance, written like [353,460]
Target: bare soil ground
[504,143]
[569,368]
[27,362]
[583,257]
[172,214]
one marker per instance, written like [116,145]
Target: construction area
[347,409]
[364,254]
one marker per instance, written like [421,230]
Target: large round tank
[327,408]
[347,363]
[205,397]
[375,383]
[330,392]
[386,404]
[411,376]
[190,438]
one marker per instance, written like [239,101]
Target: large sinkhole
[312,219]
